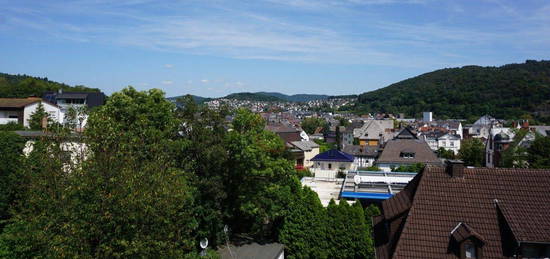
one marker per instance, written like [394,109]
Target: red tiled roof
[439,202]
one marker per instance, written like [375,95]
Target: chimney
[455,168]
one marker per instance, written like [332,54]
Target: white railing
[8,120]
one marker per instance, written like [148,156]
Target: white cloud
[167,82]
[168,65]
[204,81]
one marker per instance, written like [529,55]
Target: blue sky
[215,47]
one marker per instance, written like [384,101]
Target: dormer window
[408,155]
[470,250]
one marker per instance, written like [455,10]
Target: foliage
[35,121]
[370,168]
[347,231]
[254,97]
[22,86]
[469,91]
[515,155]
[472,152]
[324,146]
[371,211]
[309,125]
[539,152]
[444,153]
[75,116]
[125,200]
[304,229]
[11,161]
[417,168]
[11,126]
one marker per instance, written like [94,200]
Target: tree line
[154,179]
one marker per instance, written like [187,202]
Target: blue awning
[366,195]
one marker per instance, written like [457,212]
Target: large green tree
[472,152]
[127,199]
[11,162]
[539,152]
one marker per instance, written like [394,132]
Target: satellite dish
[204,243]
[225,229]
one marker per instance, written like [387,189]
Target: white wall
[308,155]
[54,111]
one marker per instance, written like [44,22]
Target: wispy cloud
[168,65]
[167,82]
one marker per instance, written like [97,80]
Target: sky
[215,47]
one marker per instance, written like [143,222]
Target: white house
[329,163]
[19,110]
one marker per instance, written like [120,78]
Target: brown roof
[18,102]
[392,152]
[419,221]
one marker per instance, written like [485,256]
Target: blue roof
[333,156]
[366,195]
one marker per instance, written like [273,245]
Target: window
[407,155]
[329,166]
[470,250]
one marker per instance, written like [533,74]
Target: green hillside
[20,86]
[254,97]
[510,91]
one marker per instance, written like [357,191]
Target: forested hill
[509,92]
[254,97]
[12,86]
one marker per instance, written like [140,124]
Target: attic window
[469,250]
[407,155]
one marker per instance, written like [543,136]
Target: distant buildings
[19,110]
[405,149]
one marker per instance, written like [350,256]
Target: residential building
[374,186]
[374,132]
[329,163]
[441,139]
[497,142]
[364,156]
[458,212]
[287,133]
[76,100]
[19,110]
[405,149]
[304,151]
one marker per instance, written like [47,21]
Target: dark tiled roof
[333,155]
[392,152]
[417,223]
[406,133]
[357,150]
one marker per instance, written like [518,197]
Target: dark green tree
[35,121]
[309,125]
[11,162]
[472,152]
[444,153]
[539,152]
[127,199]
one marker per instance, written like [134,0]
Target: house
[497,142]
[374,132]
[287,134]
[19,110]
[458,212]
[330,162]
[405,149]
[442,139]
[304,151]
[77,101]
[364,155]
[480,129]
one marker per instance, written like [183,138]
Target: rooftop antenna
[204,245]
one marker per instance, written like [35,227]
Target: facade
[458,212]
[406,149]
[19,110]
[374,132]
[438,139]
[498,140]
[306,150]
[80,101]
[364,156]
[332,161]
